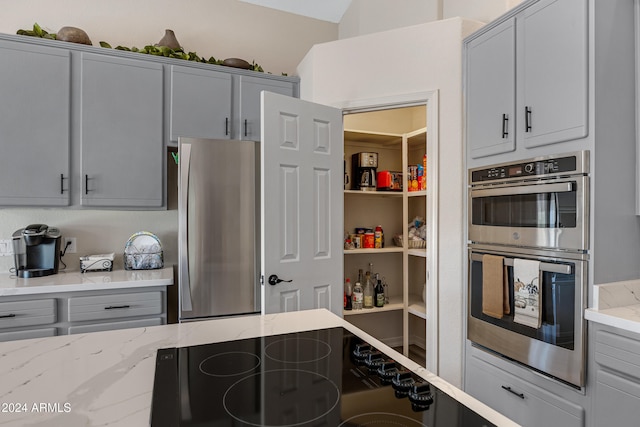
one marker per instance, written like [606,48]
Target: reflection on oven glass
[557,302]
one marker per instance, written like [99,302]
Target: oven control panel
[533,168]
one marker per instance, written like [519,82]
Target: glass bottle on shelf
[379,294]
[348,295]
[385,287]
[357,296]
[368,291]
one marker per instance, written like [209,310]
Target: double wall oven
[536,209]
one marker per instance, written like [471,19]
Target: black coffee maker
[364,168]
[36,250]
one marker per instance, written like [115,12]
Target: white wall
[480,10]
[398,63]
[370,16]
[220,28]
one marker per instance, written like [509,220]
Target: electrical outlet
[71,249]
[6,248]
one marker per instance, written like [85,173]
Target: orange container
[369,241]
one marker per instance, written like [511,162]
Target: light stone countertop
[106,378]
[89,281]
[616,304]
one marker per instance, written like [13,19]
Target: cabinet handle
[4,316]
[116,307]
[520,395]
[245,127]
[62,178]
[226,126]
[505,126]
[527,119]
[86,184]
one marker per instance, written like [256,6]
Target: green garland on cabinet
[165,51]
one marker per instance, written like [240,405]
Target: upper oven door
[548,214]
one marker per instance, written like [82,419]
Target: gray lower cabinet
[200,103]
[122,149]
[616,400]
[32,318]
[28,334]
[519,399]
[110,326]
[116,306]
[36,316]
[34,125]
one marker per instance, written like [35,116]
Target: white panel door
[302,203]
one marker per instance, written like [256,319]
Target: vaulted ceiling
[325,10]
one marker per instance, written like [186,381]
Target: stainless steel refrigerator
[218,230]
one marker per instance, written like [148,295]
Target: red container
[389,181]
[369,241]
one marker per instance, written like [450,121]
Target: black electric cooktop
[327,377]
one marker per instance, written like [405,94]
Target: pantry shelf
[375,193]
[395,303]
[418,252]
[418,309]
[403,267]
[373,251]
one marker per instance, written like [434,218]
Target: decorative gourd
[73,35]
[517,285]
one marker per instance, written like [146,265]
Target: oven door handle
[562,187]
[544,266]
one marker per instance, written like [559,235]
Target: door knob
[274,280]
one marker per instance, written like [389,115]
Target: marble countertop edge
[616,304]
[73,281]
[626,318]
[106,378]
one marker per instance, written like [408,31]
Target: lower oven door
[556,348]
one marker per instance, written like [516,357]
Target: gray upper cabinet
[535,61]
[490,83]
[122,146]
[34,125]
[80,125]
[247,123]
[200,103]
[552,84]
[217,105]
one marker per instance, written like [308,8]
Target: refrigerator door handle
[183,267]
